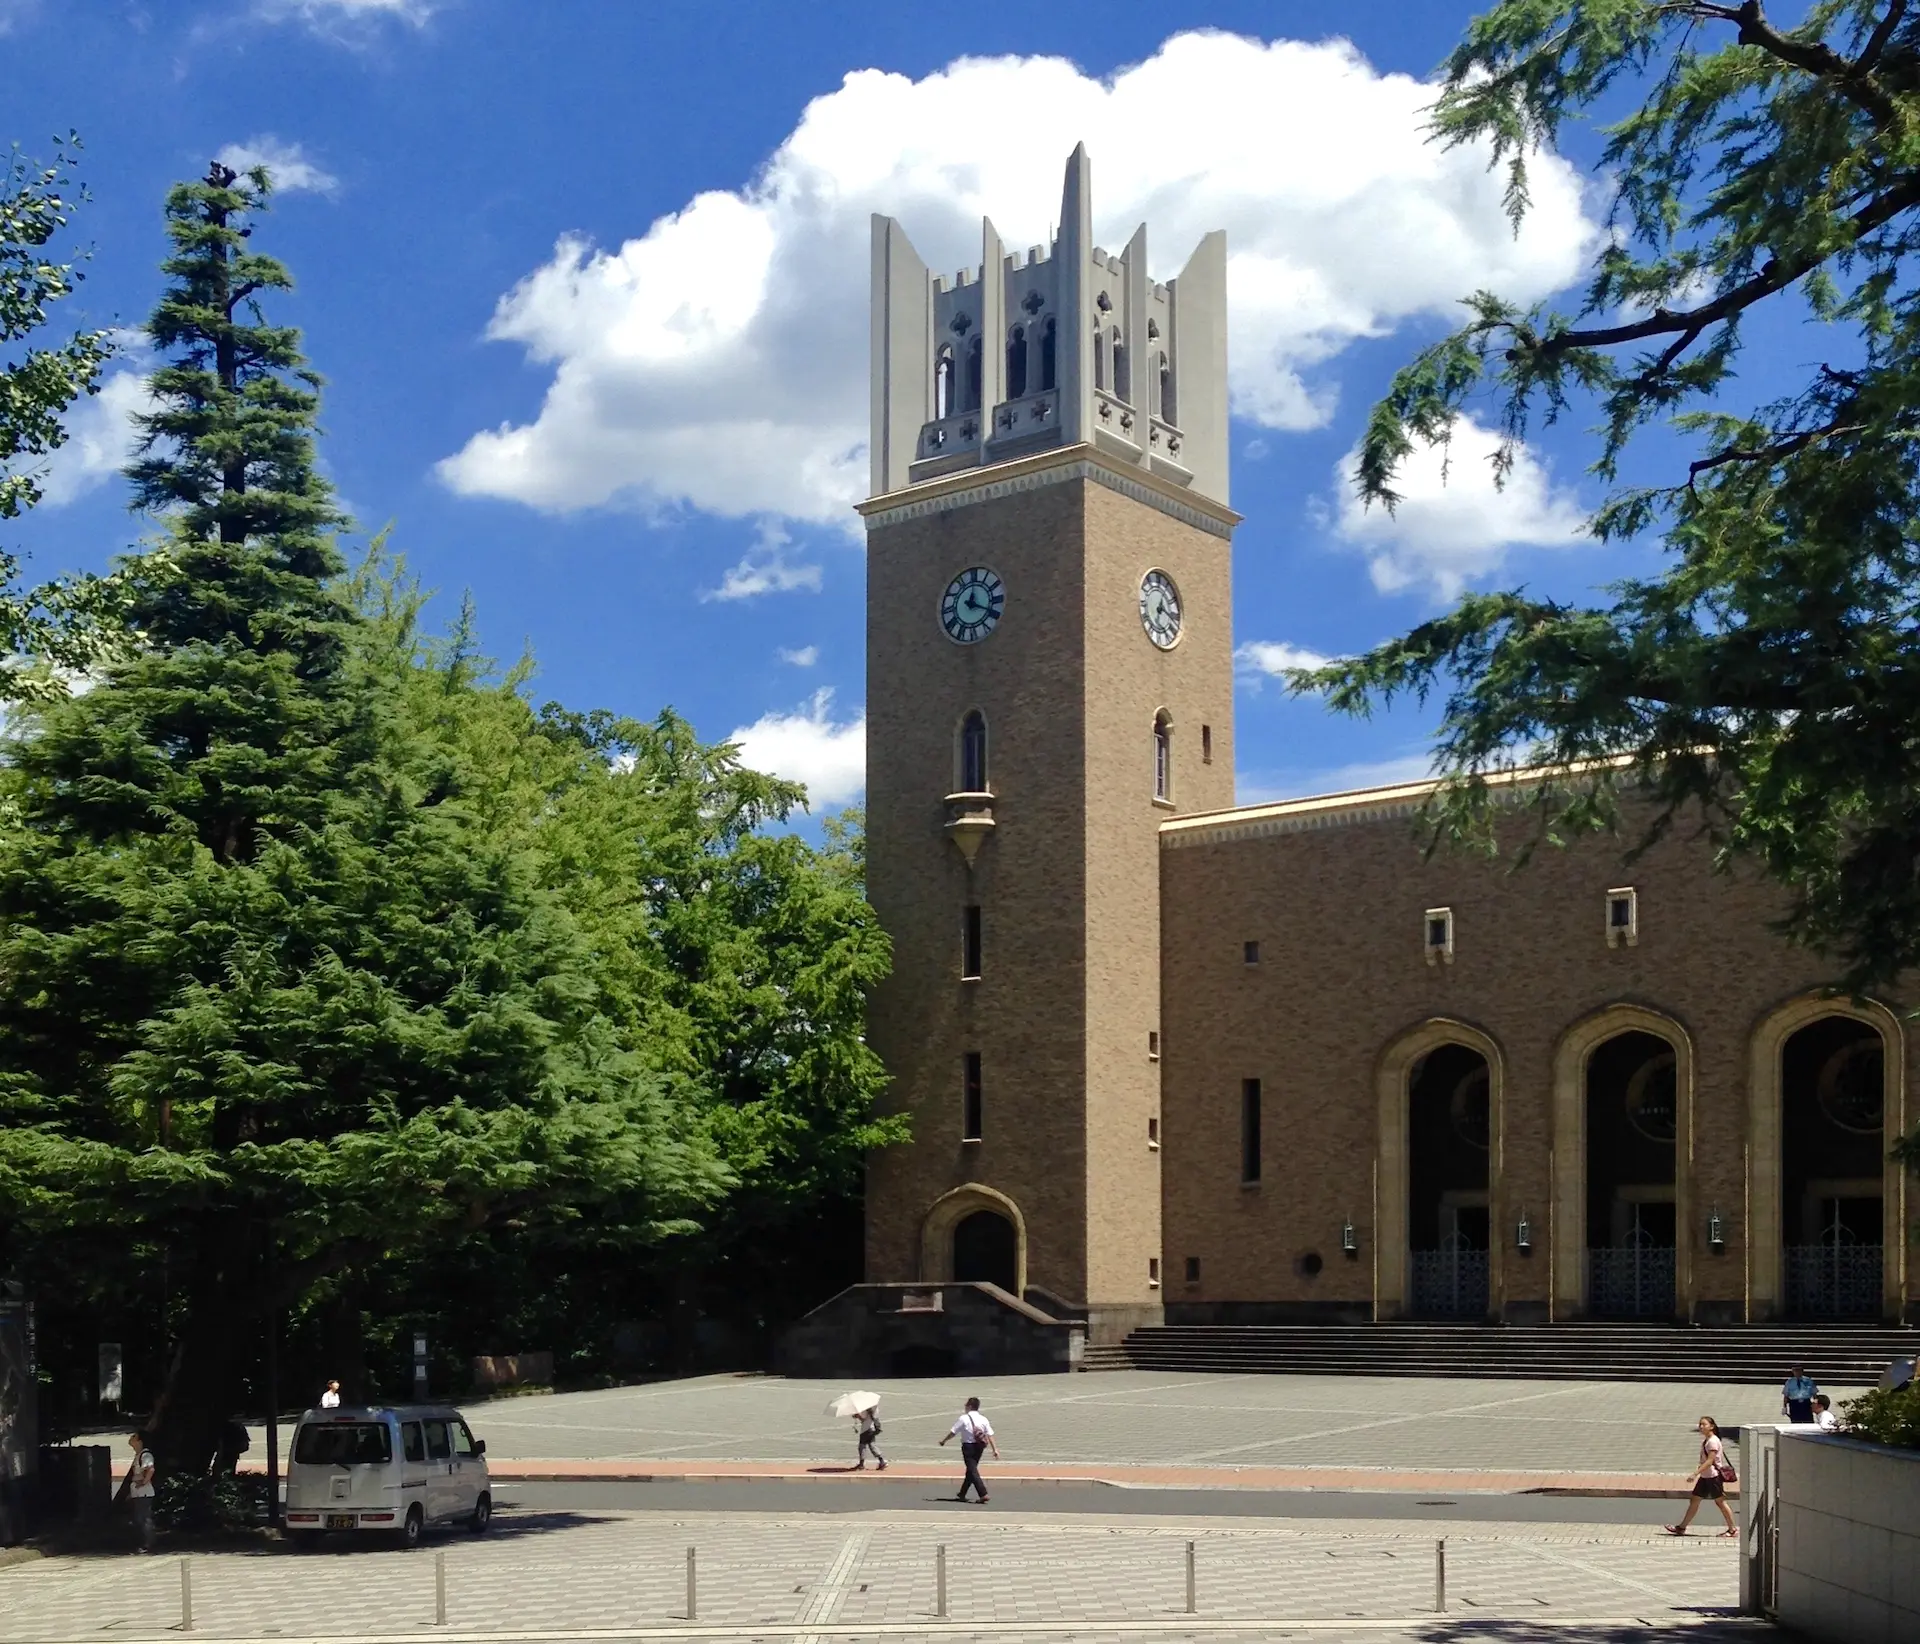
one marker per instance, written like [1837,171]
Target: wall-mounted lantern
[1349,1240]
[1716,1232]
[1523,1235]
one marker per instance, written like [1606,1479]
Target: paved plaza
[559,1575]
[1147,1419]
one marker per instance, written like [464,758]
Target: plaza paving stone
[548,1575]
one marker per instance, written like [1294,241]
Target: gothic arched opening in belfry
[1449,1146]
[1632,1118]
[1832,1123]
[1017,363]
[986,1250]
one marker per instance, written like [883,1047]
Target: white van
[395,1469]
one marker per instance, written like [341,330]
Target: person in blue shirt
[1796,1396]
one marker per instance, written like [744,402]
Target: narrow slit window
[1162,757]
[1438,924]
[1206,744]
[1153,1133]
[1249,1130]
[1623,917]
[1250,952]
[970,943]
[973,752]
[1153,1272]
[1193,1270]
[970,1097]
[1153,1047]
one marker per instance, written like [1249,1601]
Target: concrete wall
[1849,1551]
[949,1329]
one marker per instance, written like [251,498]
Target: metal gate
[1838,1278]
[1631,1281]
[1452,1282]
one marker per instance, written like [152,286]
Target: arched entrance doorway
[1632,1130]
[1449,1141]
[986,1250]
[1832,1129]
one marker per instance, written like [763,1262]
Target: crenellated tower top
[1067,345]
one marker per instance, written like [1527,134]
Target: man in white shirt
[975,1434]
[330,1399]
[1823,1416]
[140,1490]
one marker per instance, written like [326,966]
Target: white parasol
[853,1404]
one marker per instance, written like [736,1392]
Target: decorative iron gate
[1452,1282]
[1631,1281]
[1838,1278]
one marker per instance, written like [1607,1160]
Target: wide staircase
[1838,1355]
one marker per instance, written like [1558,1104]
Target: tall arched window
[1167,406]
[972,401]
[1162,755]
[1017,363]
[1099,358]
[973,752]
[1122,371]
[1049,356]
[943,383]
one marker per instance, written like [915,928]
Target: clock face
[1160,609]
[970,608]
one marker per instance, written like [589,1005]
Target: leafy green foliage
[70,623]
[1768,680]
[1885,1417]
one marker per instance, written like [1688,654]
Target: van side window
[439,1447]
[410,1440]
[462,1439]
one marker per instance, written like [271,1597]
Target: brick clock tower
[1049,678]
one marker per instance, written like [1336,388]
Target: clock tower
[1049,679]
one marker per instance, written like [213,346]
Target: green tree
[280,999]
[67,622]
[1768,678]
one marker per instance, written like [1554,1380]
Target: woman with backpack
[1710,1479]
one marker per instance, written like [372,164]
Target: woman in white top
[330,1399]
[1710,1479]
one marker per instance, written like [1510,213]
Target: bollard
[1440,1576]
[1190,1602]
[186,1597]
[940,1580]
[440,1589]
[693,1606]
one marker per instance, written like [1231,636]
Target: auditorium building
[1169,1058]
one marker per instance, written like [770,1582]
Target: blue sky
[587,281]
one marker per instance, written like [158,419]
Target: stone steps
[1842,1355]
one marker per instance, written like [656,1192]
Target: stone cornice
[1055,467]
[1330,810]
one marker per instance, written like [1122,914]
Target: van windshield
[343,1443]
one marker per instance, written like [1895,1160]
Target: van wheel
[413,1529]
[482,1514]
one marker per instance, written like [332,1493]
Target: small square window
[1193,1270]
[1153,1047]
[1153,1272]
[1438,923]
[1623,917]
[1153,1133]
[1250,951]
[1206,744]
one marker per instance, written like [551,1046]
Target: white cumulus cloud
[100,436]
[288,164]
[810,746]
[805,657]
[767,568]
[1454,525]
[1259,660]
[719,359]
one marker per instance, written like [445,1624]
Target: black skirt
[1709,1488]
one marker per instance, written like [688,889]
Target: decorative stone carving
[969,821]
[960,325]
[969,430]
[1033,302]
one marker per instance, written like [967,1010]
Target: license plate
[340,1521]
